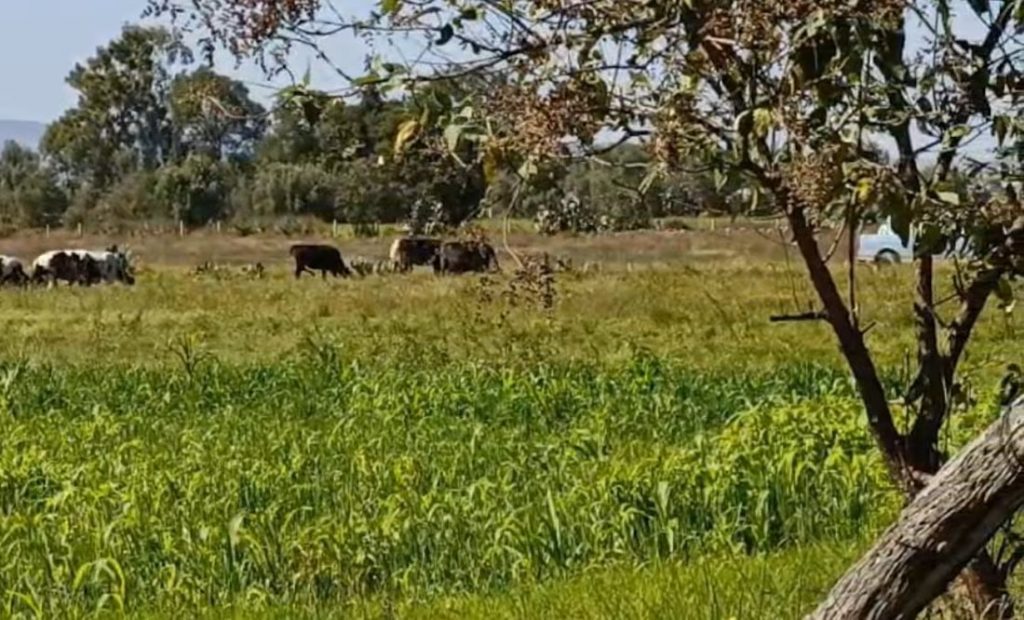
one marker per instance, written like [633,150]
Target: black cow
[407,252]
[465,256]
[322,258]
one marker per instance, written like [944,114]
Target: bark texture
[940,531]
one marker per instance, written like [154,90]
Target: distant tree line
[155,138]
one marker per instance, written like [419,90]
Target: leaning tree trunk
[939,532]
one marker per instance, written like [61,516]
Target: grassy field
[650,446]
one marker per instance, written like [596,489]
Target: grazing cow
[407,252]
[465,256]
[322,258]
[12,271]
[83,267]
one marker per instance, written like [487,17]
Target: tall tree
[121,109]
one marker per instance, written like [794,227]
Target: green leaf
[528,169]
[390,7]
[367,80]
[720,180]
[451,136]
[649,179]
[755,199]
[640,78]
[949,198]
[863,191]
[958,133]
[406,132]
[80,575]
[763,122]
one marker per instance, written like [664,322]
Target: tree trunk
[940,531]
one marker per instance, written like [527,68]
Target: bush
[573,215]
[134,197]
[29,194]
[194,191]
[567,215]
[291,189]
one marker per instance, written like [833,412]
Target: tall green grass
[322,479]
[432,448]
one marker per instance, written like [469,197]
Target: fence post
[334,228]
[47,231]
[79,229]
[181,228]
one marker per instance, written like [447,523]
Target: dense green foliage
[29,195]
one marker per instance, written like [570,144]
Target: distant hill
[26,133]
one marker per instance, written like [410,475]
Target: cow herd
[81,267]
[445,257]
[89,267]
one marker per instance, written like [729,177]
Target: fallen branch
[946,525]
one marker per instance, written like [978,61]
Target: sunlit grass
[713,317]
[650,447]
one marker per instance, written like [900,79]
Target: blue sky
[41,40]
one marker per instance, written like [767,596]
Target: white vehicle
[885,246]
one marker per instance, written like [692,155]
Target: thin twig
[835,242]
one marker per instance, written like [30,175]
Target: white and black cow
[83,266]
[12,270]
